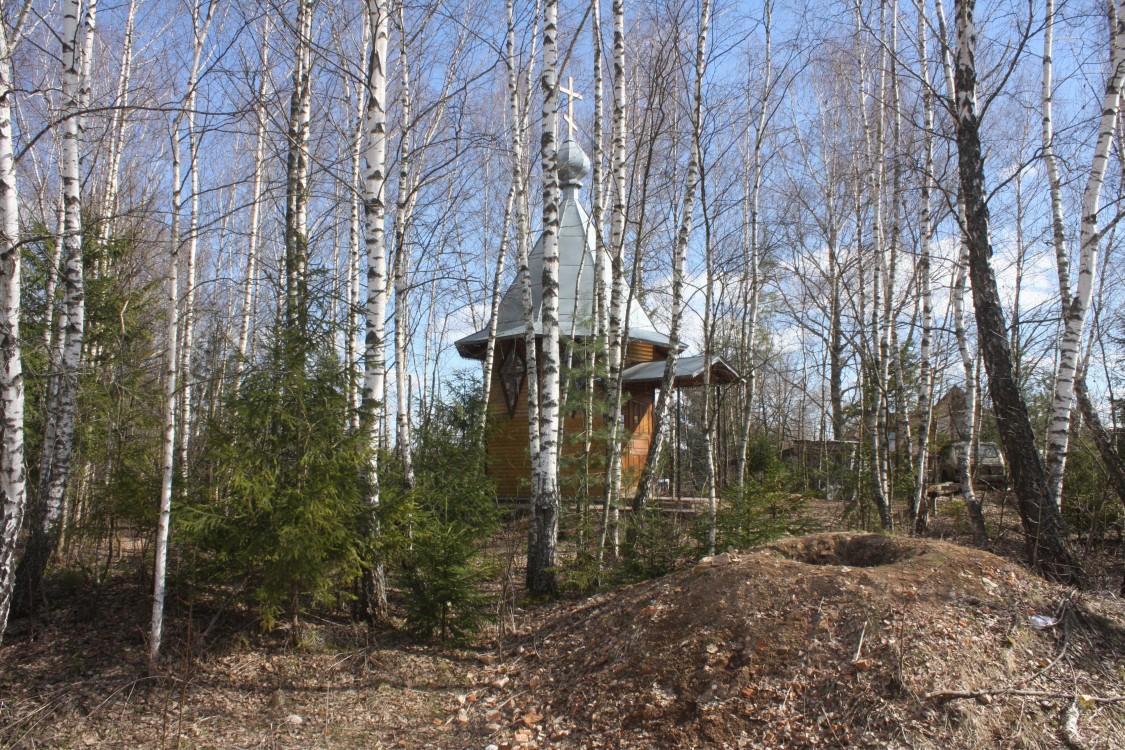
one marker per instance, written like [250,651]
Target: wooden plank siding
[508,459]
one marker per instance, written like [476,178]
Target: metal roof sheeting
[689,372]
[577,280]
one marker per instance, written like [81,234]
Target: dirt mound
[833,640]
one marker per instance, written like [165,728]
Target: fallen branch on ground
[957,695]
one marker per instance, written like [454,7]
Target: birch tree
[297,186]
[172,362]
[679,259]
[168,421]
[375,211]
[1074,313]
[544,528]
[13,489]
[255,230]
[118,125]
[751,207]
[925,354]
[403,211]
[78,28]
[618,302]
[1044,528]
[515,213]
[521,172]
[201,24]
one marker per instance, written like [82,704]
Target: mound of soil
[832,640]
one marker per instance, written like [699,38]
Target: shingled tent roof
[577,274]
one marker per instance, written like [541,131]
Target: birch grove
[795,237]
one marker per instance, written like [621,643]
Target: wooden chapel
[646,348]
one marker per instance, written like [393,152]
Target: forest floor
[828,640]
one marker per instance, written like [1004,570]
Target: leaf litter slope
[825,641]
[833,640]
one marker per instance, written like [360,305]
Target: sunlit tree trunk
[13,490]
[297,188]
[925,230]
[172,361]
[168,438]
[117,130]
[544,526]
[1042,522]
[751,203]
[403,217]
[709,416]
[201,24]
[679,260]
[617,305]
[1058,223]
[375,209]
[966,419]
[1074,316]
[354,242]
[521,172]
[54,468]
[497,280]
[251,281]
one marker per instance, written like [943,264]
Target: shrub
[442,576]
[281,504]
[434,532]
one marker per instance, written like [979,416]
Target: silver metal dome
[573,164]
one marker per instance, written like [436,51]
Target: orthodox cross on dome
[571,95]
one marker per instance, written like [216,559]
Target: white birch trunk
[168,438]
[187,329]
[117,129]
[58,449]
[172,363]
[709,416]
[494,307]
[53,280]
[351,329]
[521,171]
[297,183]
[966,420]
[543,530]
[617,312]
[679,260]
[250,283]
[1062,402]
[1058,223]
[375,210]
[926,375]
[403,217]
[751,197]
[13,490]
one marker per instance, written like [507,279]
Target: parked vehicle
[988,464]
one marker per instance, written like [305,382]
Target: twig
[957,695]
[859,648]
[1062,652]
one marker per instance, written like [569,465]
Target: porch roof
[689,372]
